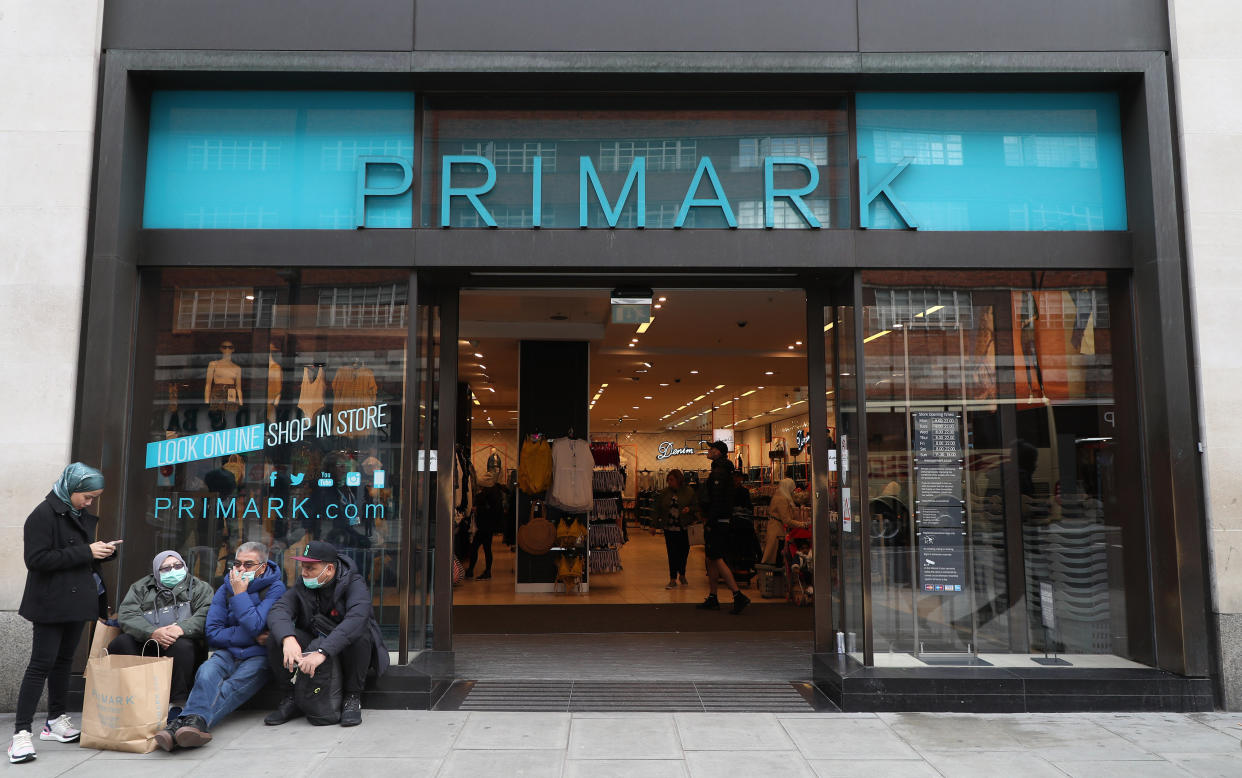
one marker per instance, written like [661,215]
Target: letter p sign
[365,191]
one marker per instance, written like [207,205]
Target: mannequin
[222,391]
[275,377]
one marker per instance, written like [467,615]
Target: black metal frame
[1151,249]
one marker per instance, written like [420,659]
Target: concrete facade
[1207,67]
[49,53]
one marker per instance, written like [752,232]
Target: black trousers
[355,661]
[483,540]
[677,544]
[184,654]
[51,654]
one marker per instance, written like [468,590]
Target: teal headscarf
[77,478]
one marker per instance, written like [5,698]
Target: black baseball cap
[318,551]
[721,446]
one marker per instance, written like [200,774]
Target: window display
[314,455]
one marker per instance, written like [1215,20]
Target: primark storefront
[976,257]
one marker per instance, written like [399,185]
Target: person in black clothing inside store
[489,514]
[716,497]
[326,614]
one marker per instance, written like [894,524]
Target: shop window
[273,413]
[997,468]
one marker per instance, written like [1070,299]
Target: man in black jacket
[326,614]
[717,495]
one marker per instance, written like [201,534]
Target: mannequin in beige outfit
[275,376]
[781,519]
[222,391]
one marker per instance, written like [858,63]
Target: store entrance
[613,405]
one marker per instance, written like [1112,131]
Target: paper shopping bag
[126,702]
[105,633]
[695,534]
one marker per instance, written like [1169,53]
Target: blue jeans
[223,683]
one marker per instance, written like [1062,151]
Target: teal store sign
[344,160]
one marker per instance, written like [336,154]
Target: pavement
[721,745]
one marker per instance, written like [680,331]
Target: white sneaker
[22,748]
[60,730]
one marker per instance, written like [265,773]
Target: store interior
[703,364]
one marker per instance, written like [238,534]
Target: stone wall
[49,55]
[1208,86]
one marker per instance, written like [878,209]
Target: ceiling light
[603,386]
[700,397]
[482,367]
[635,407]
[747,394]
[657,305]
[663,299]
[478,356]
[249,297]
[720,386]
[791,348]
[726,402]
[646,364]
[647,397]
[797,342]
[879,334]
[694,372]
[759,387]
[663,384]
[767,372]
[490,389]
[828,326]
[476,401]
[632,345]
[643,327]
[932,309]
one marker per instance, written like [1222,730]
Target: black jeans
[678,546]
[482,539]
[355,661]
[184,655]
[51,654]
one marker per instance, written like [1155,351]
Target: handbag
[320,696]
[537,536]
[125,702]
[169,614]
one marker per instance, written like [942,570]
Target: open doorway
[648,397]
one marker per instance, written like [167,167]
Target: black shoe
[351,711]
[740,601]
[485,577]
[193,732]
[166,738]
[174,713]
[286,711]
[709,604]
[469,574]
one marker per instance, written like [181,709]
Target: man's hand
[166,636]
[292,653]
[238,583]
[102,550]
[262,637]
[309,662]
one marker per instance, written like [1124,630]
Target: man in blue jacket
[237,630]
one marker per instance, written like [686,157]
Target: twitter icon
[297,480]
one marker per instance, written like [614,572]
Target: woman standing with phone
[64,588]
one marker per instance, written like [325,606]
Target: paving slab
[1170,733]
[652,737]
[840,738]
[874,768]
[732,732]
[990,764]
[507,731]
[747,764]
[625,768]
[527,763]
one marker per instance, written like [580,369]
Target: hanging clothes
[311,401]
[572,471]
[535,466]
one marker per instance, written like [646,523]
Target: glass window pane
[668,148]
[276,416]
[999,523]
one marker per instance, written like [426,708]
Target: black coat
[717,493]
[60,577]
[347,603]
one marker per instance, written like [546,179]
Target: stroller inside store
[632,492]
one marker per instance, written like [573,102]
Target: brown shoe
[193,732]
[164,739]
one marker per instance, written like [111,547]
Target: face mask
[249,576]
[172,577]
[311,583]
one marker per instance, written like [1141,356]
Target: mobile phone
[115,542]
